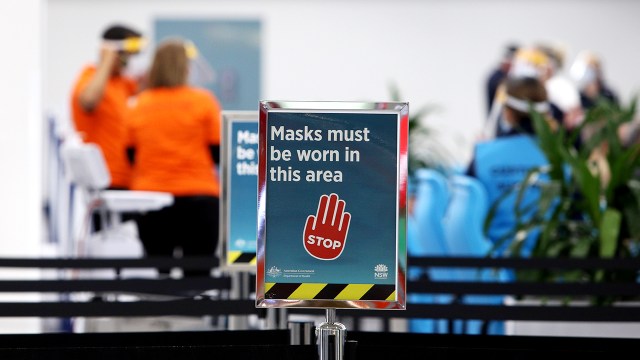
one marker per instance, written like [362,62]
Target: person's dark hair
[119,32]
[529,90]
[510,50]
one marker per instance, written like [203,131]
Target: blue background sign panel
[243,174]
[238,214]
[363,173]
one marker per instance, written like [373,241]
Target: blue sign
[239,188]
[331,181]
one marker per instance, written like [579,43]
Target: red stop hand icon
[325,234]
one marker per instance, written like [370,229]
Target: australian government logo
[380,272]
[274,272]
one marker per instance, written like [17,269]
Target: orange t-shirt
[171,130]
[104,125]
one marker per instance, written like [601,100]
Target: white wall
[21,119]
[438,52]
[20,143]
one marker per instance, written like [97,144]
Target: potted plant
[589,203]
[425,150]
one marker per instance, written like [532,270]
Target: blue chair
[425,237]
[431,201]
[463,228]
[465,217]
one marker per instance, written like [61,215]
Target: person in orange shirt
[99,101]
[100,98]
[174,146]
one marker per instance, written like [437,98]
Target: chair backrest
[464,219]
[432,197]
[463,227]
[85,164]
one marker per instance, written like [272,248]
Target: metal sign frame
[315,294]
[233,259]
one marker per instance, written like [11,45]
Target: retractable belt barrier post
[342,242]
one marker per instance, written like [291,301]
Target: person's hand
[91,95]
[108,54]
[325,234]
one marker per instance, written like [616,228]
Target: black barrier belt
[191,263]
[495,312]
[154,286]
[523,288]
[181,307]
[202,305]
[191,307]
[525,263]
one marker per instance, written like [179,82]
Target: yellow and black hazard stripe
[241,258]
[318,291]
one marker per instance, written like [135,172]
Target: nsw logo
[381,271]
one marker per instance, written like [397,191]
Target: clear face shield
[530,62]
[200,71]
[131,55]
[583,70]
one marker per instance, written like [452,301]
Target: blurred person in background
[563,95]
[99,102]
[499,73]
[504,161]
[588,76]
[174,146]
[100,99]
[561,90]
[586,71]
[528,62]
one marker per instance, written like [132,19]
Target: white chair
[87,170]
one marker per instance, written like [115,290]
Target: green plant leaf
[550,193]
[581,247]
[588,184]
[631,212]
[556,248]
[609,230]
[623,168]
[551,144]
[425,151]
[579,214]
[573,276]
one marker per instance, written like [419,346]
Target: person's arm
[92,93]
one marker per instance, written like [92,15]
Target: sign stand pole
[239,292]
[331,337]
